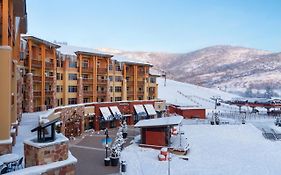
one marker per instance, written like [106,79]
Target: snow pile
[222,149]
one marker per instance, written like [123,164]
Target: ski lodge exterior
[157,132]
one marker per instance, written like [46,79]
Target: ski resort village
[69,109]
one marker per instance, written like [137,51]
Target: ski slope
[184,94]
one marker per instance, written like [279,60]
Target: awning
[106,113]
[116,112]
[140,110]
[150,109]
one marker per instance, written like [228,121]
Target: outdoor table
[9,158]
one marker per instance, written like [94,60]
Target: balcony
[87,81]
[141,73]
[130,83]
[49,93]
[101,93]
[102,82]
[49,79]
[37,79]
[87,69]
[34,63]
[88,93]
[140,92]
[140,83]
[130,92]
[49,65]
[37,93]
[102,71]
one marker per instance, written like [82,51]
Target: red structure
[156,132]
[125,107]
[188,112]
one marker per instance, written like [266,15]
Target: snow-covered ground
[28,122]
[185,94]
[215,150]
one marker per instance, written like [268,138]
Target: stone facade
[80,90]
[5,148]
[29,107]
[40,156]
[72,121]
[20,95]
[67,170]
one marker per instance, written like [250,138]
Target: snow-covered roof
[140,110]
[150,109]
[128,60]
[48,43]
[71,50]
[165,121]
[106,113]
[115,110]
[189,107]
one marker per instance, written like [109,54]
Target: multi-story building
[63,75]
[13,22]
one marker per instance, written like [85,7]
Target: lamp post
[106,144]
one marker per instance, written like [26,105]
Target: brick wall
[67,170]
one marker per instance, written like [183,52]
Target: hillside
[226,67]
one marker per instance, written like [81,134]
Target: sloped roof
[164,121]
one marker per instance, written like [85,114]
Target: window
[72,88]
[118,79]
[118,68]
[152,80]
[110,78]
[58,88]
[86,88]
[73,64]
[85,63]
[140,98]
[118,89]
[85,76]
[72,76]
[110,67]
[86,100]
[59,76]
[59,63]
[72,101]
[111,89]
[118,99]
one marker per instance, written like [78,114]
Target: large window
[59,88]
[72,76]
[118,68]
[72,64]
[118,79]
[72,88]
[85,63]
[59,76]
[118,89]
[152,80]
[72,101]
[110,78]
[118,98]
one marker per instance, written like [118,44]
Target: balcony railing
[87,69]
[49,78]
[88,93]
[37,78]
[49,93]
[102,70]
[101,93]
[49,65]
[36,93]
[87,80]
[141,83]
[102,81]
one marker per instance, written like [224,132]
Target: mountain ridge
[224,66]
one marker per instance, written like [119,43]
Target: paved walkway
[90,152]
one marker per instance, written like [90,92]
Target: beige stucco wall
[5,92]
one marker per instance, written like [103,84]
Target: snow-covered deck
[223,149]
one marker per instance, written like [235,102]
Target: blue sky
[158,25]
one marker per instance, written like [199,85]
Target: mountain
[227,67]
